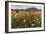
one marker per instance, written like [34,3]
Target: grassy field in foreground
[26,19]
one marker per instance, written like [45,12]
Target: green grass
[18,21]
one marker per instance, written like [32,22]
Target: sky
[26,6]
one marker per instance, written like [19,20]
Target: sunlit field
[26,19]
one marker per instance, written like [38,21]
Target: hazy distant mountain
[28,9]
